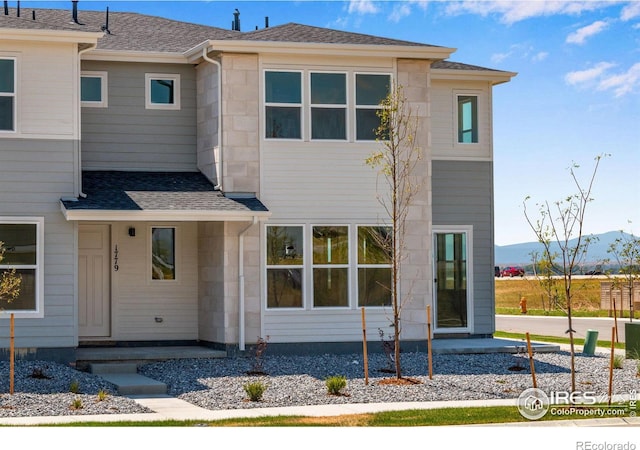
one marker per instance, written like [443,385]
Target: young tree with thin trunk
[396,160]
[626,251]
[9,283]
[560,229]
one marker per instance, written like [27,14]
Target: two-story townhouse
[166,182]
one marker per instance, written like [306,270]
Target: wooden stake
[12,353]
[531,363]
[613,334]
[364,350]
[429,353]
[615,318]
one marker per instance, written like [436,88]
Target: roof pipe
[79,124]
[241,327]
[205,56]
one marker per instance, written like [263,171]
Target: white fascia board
[122,56]
[19,34]
[495,77]
[173,216]
[396,51]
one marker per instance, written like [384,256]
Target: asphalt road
[557,326]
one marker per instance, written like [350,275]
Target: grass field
[585,291]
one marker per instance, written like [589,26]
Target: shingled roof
[156,192]
[145,33]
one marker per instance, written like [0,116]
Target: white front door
[94,293]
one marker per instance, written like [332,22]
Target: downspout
[219,66]
[241,337]
[79,157]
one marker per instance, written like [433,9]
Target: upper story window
[283,105]
[328,106]
[7,94]
[93,89]
[22,241]
[162,91]
[467,119]
[371,89]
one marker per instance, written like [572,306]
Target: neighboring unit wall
[126,135]
[463,195]
[207,86]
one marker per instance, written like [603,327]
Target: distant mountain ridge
[520,254]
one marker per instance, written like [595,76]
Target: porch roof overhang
[158,196]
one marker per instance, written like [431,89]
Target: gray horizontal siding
[126,135]
[463,195]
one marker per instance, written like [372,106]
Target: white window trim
[14,94]
[148,77]
[38,313]
[347,266]
[468,230]
[284,105]
[344,106]
[302,266]
[356,107]
[104,90]
[176,252]
[466,93]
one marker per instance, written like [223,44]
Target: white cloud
[499,57]
[622,83]
[363,7]
[581,34]
[588,75]
[540,56]
[399,11]
[512,11]
[630,11]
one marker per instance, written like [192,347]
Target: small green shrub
[335,384]
[255,390]
[102,395]
[618,361]
[77,404]
[74,387]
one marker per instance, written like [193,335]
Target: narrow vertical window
[285,266]
[374,265]
[7,94]
[329,106]
[163,251]
[371,89]
[162,91]
[467,119]
[283,105]
[330,266]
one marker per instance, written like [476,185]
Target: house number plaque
[115,259]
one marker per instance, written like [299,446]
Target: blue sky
[576,95]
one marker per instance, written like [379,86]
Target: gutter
[220,160]
[79,157]
[241,337]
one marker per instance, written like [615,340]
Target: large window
[467,119]
[285,266]
[7,94]
[163,253]
[283,105]
[371,89]
[162,91]
[374,265]
[330,266]
[93,89]
[22,243]
[329,106]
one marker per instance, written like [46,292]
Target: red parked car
[513,271]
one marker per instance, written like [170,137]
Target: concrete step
[107,368]
[135,384]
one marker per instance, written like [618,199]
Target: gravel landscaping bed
[297,380]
